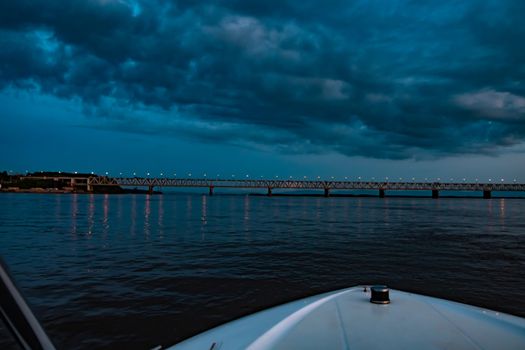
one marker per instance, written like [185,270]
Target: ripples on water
[136,271]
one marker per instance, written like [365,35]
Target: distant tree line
[53,180]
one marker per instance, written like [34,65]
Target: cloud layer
[384,79]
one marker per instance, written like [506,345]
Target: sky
[358,89]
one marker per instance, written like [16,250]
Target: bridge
[270,185]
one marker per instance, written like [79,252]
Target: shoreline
[59,191]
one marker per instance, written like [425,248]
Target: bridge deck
[303,184]
[287,184]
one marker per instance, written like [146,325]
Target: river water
[138,271]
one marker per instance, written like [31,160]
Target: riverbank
[37,190]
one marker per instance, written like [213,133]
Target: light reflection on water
[138,270]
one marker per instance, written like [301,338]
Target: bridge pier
[211,190]
[435,193]
[487,194]
[89,186]
[150,189]
[381,193]
[269,194]
[327,192]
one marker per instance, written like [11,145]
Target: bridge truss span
[302,184]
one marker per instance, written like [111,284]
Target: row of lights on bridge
[318,177]
[306,177]
[107,173]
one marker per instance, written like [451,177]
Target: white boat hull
[345,319]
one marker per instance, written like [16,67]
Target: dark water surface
[137,271]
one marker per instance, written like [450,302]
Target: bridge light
[189,174]
[233,175]
[120,174]
[304,177]
[218,176]
[514,180]
[400,178]
[477,180]
[332,177]
[107,173]
[276,176]
[290,177]
[134,174]
[92,173]
[386,178]
[204,174]
[76,172]
[502,180]
[318,177]
[161,174]
[413,179]
[490,180]
[346,177]
[439,179]
[464,179]
[359,177]
[247,175]
[147,174]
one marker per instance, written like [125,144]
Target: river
[138,271]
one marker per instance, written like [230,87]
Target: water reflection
[246,218]
[119,207]
[160,217]
[188,208]
[105,219]
[204,209]
[204,216]
[74,214]
[246,209]
[359,215]
[58,205]
[91,215]
[133,215]
[147,212]
[502,212]
[386,210]
[318,208]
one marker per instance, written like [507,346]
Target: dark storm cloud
[386,79]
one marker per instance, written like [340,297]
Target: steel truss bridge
[87,183]
[326,186]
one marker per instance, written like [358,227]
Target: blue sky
[375,89]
